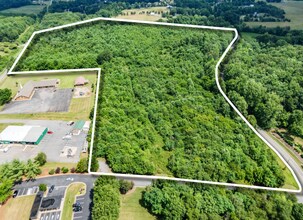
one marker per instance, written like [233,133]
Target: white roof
[24,133]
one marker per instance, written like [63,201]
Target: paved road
[61,181]
[292,163]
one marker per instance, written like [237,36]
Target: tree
[125,186]
[32,169]
[82,166]
[105,56]
[297,211]
[5,189]
[64,169]
[42,187]
[40,158]
[51,172]
[57,171]
[94,164]
[5,95]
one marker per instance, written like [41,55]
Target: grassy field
[71,192]
[293,10]
[28,9]
[79,107]
[126,14]
[131,209]
[17,208]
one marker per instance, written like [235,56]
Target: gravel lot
[51,144]
[43,100]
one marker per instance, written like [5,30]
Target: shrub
[73,170]
[42,187]
[64,169]
[125,186]
[40,158]
[57,170]
[82,166]
[51,172]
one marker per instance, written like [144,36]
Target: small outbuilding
[80,81]
[78,127]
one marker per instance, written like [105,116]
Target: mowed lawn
[293,10]
[17,208]
[131,209]
[126,14]
[70,199]
[28,9]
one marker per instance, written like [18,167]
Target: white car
[69,178]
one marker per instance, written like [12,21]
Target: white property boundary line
[217,82]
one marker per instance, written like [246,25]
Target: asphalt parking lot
[43,100]
[51,144]
[52,215]
[81,214]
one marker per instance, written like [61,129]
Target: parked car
[51,188]
[77,209]
[77,204]
[70,123]
[50,132]
[15,193]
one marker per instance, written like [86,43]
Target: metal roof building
[22,134]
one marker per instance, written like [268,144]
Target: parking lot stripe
[80,198]
[77,217]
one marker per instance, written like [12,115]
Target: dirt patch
[81,92]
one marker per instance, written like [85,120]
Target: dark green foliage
[51,172]
[56,19]
[12,27]
[42,187]
[159,109]
[5,4]
[125,186]
[106,199]
[5,96]
[82,166]
[94,164]
[40,158]
[170,200]
[105,56]
[5,189]
[270,80]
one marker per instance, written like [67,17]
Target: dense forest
[170,200]
[12,27]
[268,83]
[160,110]
[4,4]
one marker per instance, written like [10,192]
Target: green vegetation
[69,199]
[267,83]
[131,208]
[125,186]
[5,96]
[82,166]
[106,199]
[170,200]
[24,10]
[42,187]
[4,4]
[17,208]
[160,111]
[41,158]
[12,27]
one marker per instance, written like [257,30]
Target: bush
[51,172]
[64,169]
[57,170]
[42,187]
[40,158]
[82,166]
[125,186]
[73,170]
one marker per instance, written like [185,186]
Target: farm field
[28,10]
[293,10]
[143,14]
[159,108]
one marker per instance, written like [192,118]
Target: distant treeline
[5,4]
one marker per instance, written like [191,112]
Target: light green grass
[28,9]
[71,192]
[17,208]
[293,10]
[131,209]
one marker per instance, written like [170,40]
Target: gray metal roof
[24,133]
